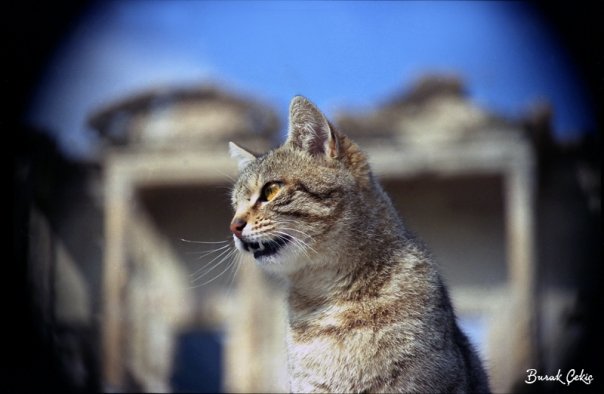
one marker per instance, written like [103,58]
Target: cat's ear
[242,156]
[310,131]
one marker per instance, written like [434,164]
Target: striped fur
[367,310]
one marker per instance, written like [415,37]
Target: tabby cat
[367,308]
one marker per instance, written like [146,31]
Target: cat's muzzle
[265,248]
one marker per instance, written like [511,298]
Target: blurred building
[134,265]
[169,281]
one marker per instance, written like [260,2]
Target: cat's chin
[267,252]
[280,262]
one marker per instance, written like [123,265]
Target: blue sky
[339,54]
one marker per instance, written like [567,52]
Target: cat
[368,311]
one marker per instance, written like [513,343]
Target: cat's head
[292,203]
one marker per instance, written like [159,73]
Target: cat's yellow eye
[270,191]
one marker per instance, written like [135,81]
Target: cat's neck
[337,280]
[359,251]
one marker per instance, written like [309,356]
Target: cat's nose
[237,226]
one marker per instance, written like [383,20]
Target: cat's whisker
[228,266]
[300,249]
[296,230]
[225,175]
[201,255]
[290,222]
[300,240]
[301,245]
[204,242]
[280,222]
[220,256]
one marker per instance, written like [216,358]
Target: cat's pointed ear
[242,156]
[310,131]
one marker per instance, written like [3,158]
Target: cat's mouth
[265,248]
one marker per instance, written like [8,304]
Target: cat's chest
[330,358]
[318,352]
